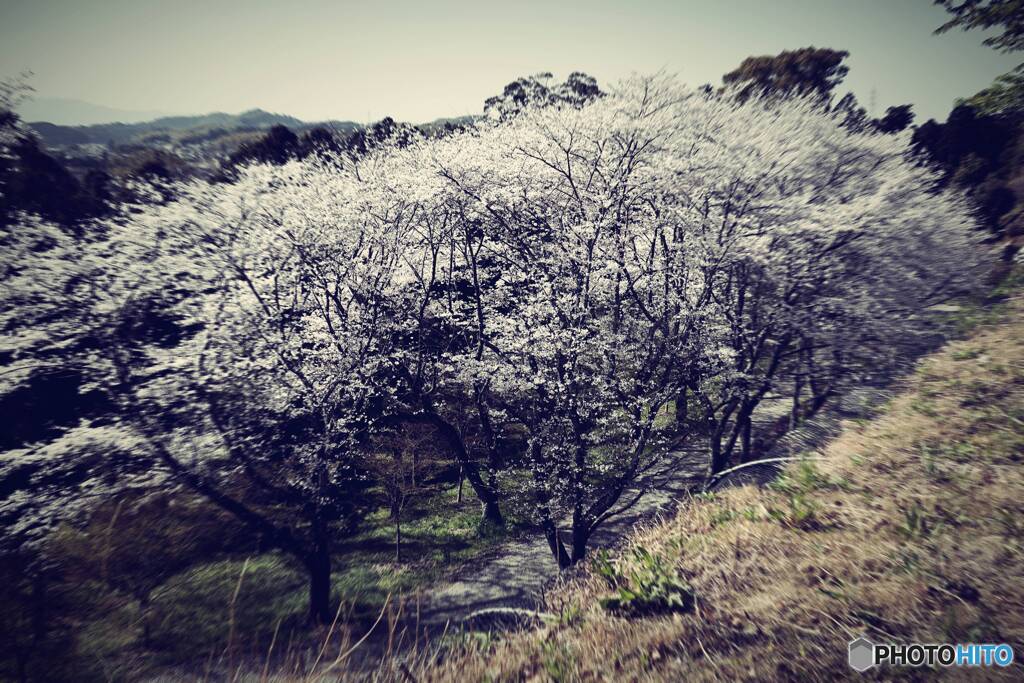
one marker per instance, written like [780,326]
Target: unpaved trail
[518,573]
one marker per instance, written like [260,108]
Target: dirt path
[518,574]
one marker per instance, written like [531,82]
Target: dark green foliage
[855,117]
[89,607]
[981,146]
[35,182]
[50,400]
[807,71]
[149,580]
[276,147]
[320,141]
[896,119]
[1006,16]
[280,145]
[198,611]
[813,72]
[982,154]
[645,583]
[1004,96]
[540,90]
[385,131]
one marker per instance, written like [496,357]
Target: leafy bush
[644,584]
[799,513]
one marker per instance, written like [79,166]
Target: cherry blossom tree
[50,327]
[295,301]
[534,292]
[829,247]
[584,304]
[264,406]
[659,239]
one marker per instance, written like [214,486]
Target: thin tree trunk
[681,404]
[398,536]
[544,510]
[820,399]
[487,495]
[745,438]
[492,516]
[794,414]
[462,479]
[715,464]
[396,484]
[494,463]
[554,540]
[319,565]
[746,409]
[719,455]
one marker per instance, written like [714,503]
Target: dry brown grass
[909,528]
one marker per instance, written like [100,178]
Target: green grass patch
[198,611]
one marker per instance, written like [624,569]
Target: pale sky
[417,60]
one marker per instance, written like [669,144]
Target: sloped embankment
[908,527]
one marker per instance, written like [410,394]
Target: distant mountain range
[69,112]
[174,129]
[67,125]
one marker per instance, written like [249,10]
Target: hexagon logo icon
[862,654]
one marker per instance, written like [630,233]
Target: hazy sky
[418,60]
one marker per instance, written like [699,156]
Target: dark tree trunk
[487,495]
[794,414]
[396,484]
[554,541]
[738,428]
[544,510]
[319,565]
[720,455]
[580,536]
[716,463]
[745,437]
[819,392]
[707,418]
[820,400]
[681,403]
[709,422]
[494,460]
[492,516]
[398,536]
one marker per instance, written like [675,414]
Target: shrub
[644,583]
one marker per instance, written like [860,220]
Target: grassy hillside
[908,527]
